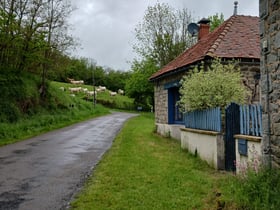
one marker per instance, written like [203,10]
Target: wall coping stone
[212,133]
[249,138]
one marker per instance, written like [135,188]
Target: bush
[9,112]
[218,86]
[19,95]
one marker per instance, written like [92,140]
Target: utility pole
[91,65]
[93,84]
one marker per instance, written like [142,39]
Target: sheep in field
[113,93]
[91,93]
[75,89]
[121,92]
[102,88]
[76,82]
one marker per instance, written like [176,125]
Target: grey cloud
[105,27]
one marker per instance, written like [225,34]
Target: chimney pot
[204,28]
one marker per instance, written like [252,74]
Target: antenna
[193,29]
[235,8]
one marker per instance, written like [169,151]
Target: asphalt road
[45,172]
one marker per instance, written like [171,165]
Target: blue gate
[232,127]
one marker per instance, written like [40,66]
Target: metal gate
[232,127]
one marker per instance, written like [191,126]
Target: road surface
[45,172]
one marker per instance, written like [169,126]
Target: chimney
[235,8]
[204,28]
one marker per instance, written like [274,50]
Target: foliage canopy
[163,34]
[138,86]
[215,21]
[217,86]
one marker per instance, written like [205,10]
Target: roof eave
[175,71]
[209,56]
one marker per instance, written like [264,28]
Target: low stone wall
[208,145]
[167,130]
[252,159]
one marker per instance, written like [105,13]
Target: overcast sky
[105,28]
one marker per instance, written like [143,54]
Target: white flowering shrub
[218,86]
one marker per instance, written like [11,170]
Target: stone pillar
[161,109]
[270,79]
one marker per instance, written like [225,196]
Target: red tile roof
[237,37]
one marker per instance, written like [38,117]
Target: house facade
[270,77]
[236,39]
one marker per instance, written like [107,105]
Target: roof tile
[237,37]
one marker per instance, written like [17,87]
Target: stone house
[270,75]
[237,38]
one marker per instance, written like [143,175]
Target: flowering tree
[217,86]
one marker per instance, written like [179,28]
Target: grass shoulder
[145,171]
[45,121]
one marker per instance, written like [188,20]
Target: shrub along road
[45,172]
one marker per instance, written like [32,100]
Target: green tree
[99,75]
[32,33]
[138,86]
[11,38]
[115,80]
[162,35]
[218,86]
[216,20]
[55,28]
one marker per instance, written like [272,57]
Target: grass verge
[257,191]
[45,121]
[145,171]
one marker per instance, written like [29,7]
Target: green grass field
[118,101]
[145,171]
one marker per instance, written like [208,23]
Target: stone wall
[270,79]
[161,103]
[161,98]
[251,79]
